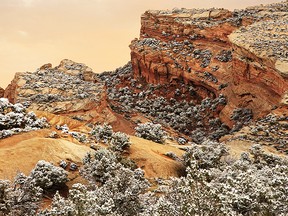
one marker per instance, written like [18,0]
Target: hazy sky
[94,32]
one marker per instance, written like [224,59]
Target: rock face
[1,92]
[217,52]
[70,88]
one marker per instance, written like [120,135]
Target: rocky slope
[209,51]
[270,131]
[68,89]
[54,146]
[200,73]
[204,80]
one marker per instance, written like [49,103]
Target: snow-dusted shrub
[198,135]
[53,135]
[63,164]
[19,198]
[39,123]
[151,42]
[30,118]
[99,166]
[46,175]
[14,119]
[79,136]
[73,167]
[224,56]
[151,131]
[4,104]
[241,116]
[181,141]
[125,189]
[184,196]
[102,133]
[118,196]
[119,142]
[218,132]
[6,133]
[172,155]
[61,206]
[255,185]
[205,156]
[64,128]
[248,186]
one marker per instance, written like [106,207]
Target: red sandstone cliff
[208,49]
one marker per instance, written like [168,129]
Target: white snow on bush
[15,119]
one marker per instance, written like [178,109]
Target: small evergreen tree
[46,175]
[102,133]
[119,142]
[151,131]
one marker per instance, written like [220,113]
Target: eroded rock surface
[219,52]
[70,88]
[271,130]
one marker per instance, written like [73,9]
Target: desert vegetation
[151,131]
[214,184]
[269,131]
[190,90]
[24,195]
[196,117]
[116,141]
[15,119]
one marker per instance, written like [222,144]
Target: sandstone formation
[285,99]
[31,147]
[270,131]
[217,51]
[200,73]
[68,89]
[201,79]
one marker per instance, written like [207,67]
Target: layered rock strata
[218,52]
[70,88]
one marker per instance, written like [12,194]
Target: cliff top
[261,30]
[216,16]
[266,39]
[70,87]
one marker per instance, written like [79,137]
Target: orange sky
[94,32]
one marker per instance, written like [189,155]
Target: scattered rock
[73,167]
